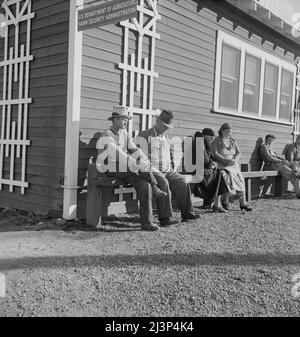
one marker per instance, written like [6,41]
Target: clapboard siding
[185,59]
[47,113]
[182,99]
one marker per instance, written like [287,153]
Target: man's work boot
[168,222]
[190,216]
[150,227]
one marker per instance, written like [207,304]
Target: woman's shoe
[246,208]
[219,209]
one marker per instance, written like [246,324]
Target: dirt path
[221,265]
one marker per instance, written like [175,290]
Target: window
[230,77]
[251,86]
[286,94]
[270,90]
[251,82]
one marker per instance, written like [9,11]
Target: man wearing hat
[117,147]
[159,151]
[274,162]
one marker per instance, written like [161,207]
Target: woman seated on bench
[289,171]
[227,153]
[213,182]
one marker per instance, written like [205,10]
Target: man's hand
[133,167]
[284,162]
[208,171]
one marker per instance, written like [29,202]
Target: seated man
[159,151]
[292,151]
[115,158]
[274,162]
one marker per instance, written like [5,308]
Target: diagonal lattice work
[138,71]
[15,101]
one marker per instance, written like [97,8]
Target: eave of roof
[268,18]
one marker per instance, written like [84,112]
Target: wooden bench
[248,175]
[105,195]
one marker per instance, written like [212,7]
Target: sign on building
[112,11]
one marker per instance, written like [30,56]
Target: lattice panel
[15,101]
[138,70]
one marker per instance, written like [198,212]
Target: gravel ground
[221,265]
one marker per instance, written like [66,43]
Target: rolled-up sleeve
[266,156]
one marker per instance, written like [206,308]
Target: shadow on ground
[112,261]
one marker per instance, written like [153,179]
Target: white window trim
[245,47]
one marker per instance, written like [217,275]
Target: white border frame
[245,47]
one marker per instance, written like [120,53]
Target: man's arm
[266,156]
[237,155]
[141,147]
[107,143]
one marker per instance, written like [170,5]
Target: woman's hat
[166,118]
[120,111]
[208,132]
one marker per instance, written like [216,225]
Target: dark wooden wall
[185,61]
[47,113]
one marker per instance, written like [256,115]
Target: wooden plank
[30,202]
[43,4]
[258,174]
[48,71]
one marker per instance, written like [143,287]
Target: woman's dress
[237,182]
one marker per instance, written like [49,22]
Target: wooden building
[208,61]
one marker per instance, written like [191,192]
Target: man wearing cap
[116,147]
[274,162]
[168,180]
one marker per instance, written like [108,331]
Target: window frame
[247,48]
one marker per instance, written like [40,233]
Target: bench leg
[99,223]
[249,190]
[94,206]
[279,185]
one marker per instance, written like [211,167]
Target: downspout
[73,115]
